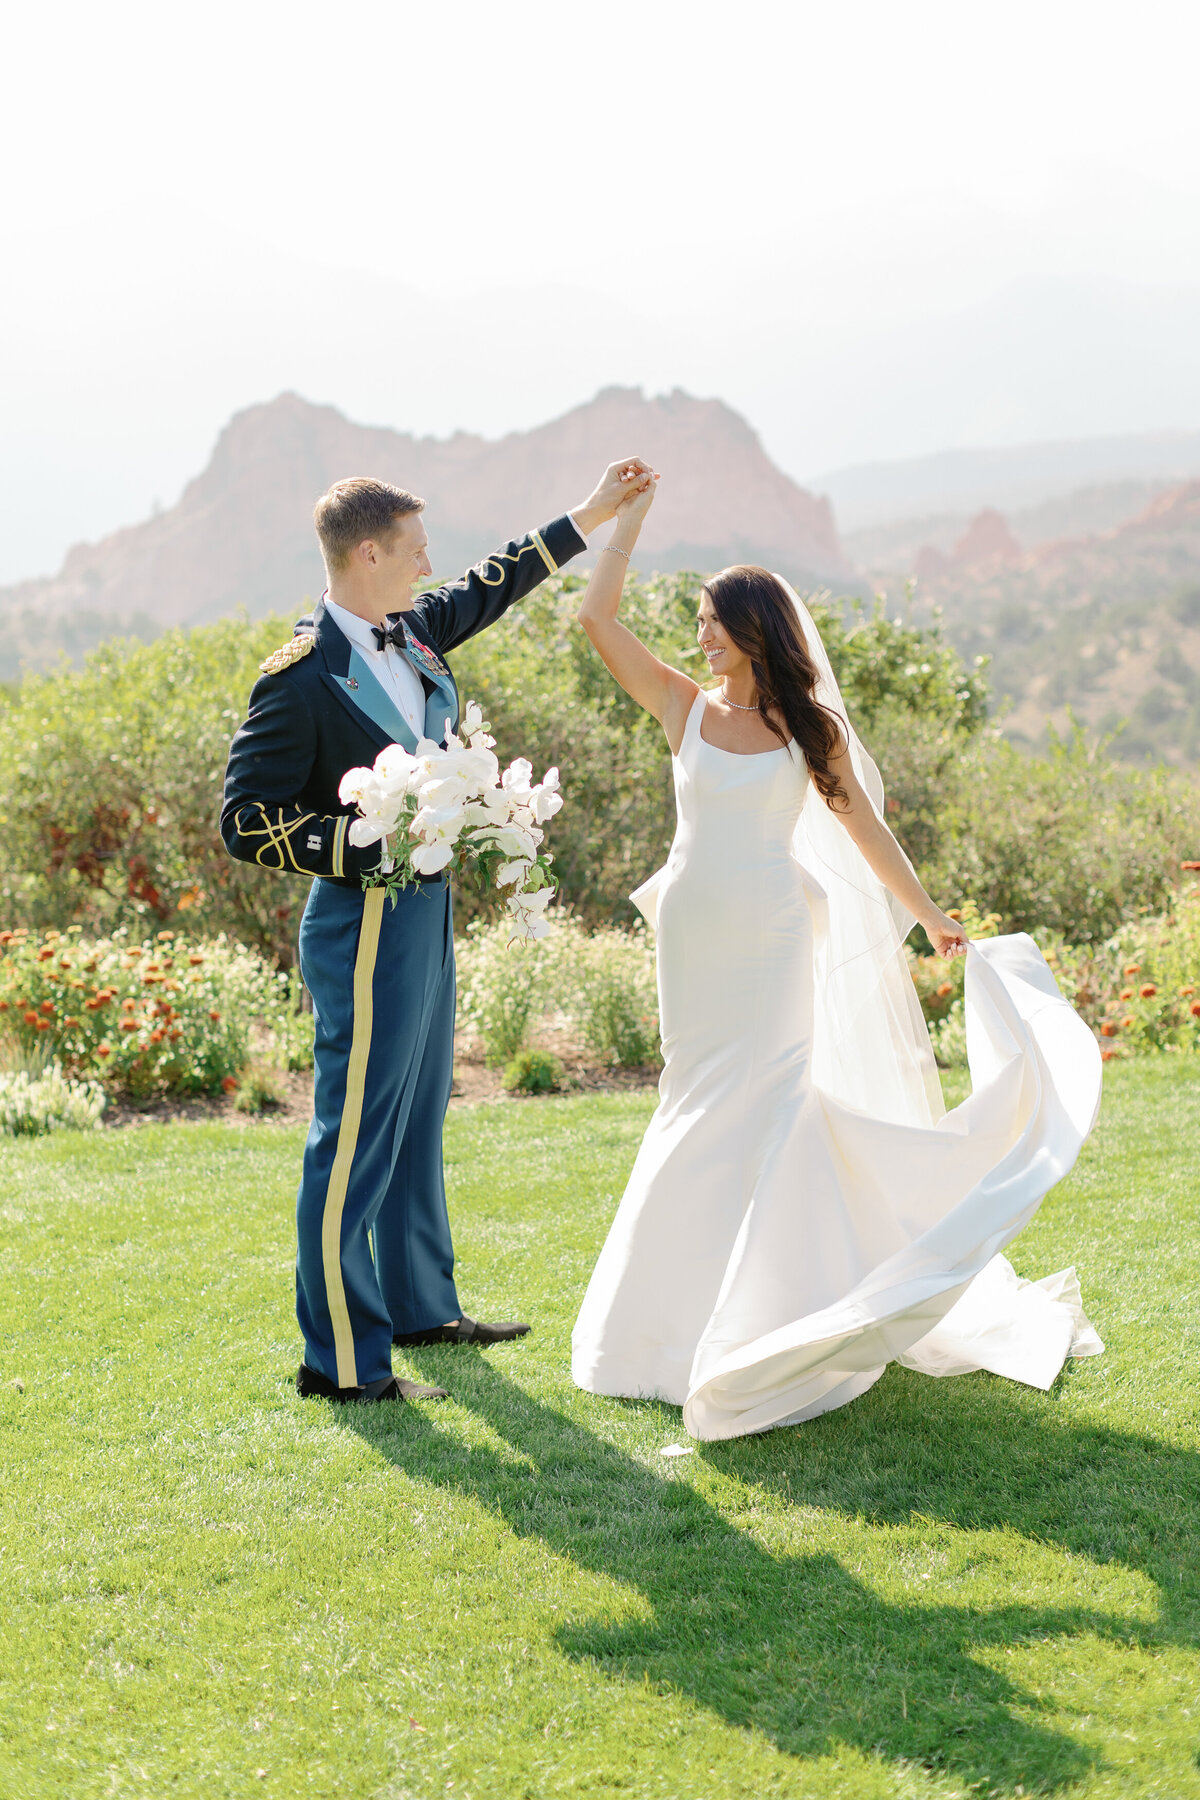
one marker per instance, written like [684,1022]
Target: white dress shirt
[391,669]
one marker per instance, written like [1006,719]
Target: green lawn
[212,1588]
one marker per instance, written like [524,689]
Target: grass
[214,1589]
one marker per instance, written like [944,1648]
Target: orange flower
[215,1017]
[44,1025]
[1108,1029]
[1196,1009]
[93,1005]
[1185,993]
[3,1005]
[6,937]
[128,1005]
[156,1037]
[1127,993]
[1147,990]
[64,962]
[1128,1021]
[175,1035]
[70,1024]
[1107,1055]
[944,988]
[955,912]
[47,1006]
[1132,969]
[44,955]
[129,1024]
[164,937]
[229,1085]
[1190,865]
[103,1049]
[31,1017]
[195,959]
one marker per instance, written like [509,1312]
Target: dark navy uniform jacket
[325,713]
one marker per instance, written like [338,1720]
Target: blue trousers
[375,1255]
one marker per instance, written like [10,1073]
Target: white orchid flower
[438,824]
[428,859]
[472,719]
[528,915]
[512,874]
[516,780]
[395,769]
[367,831]
[442,791]
[545,799]
[354,784]
[514,840]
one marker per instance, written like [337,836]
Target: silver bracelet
[617,550]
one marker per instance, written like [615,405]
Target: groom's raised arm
[449,615]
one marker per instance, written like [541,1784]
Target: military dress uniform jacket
[323,712]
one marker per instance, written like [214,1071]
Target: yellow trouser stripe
[339,1179]
[544,553]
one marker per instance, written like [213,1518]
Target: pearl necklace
[736,705]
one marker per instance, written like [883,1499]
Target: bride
[802,1210]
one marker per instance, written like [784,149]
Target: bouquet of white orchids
[451,808]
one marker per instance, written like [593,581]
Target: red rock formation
[241,534]
[988,538]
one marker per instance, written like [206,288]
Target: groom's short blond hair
[356,509]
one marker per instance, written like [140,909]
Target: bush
[111,779]
[31,1104]
[1069,843]
[534,1072]
[501,992]
[1141,989]
[602,983]
[163,1014]
[605,982]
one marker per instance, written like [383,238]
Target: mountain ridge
[241,533]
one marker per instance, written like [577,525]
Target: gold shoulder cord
[288,653]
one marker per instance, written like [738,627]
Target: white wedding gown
[776,1247]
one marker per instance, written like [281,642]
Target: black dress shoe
[390,1387]
[467,1331]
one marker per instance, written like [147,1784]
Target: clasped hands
[628,476]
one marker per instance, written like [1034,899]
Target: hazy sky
[877,231]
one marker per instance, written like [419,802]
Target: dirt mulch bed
[474,1084]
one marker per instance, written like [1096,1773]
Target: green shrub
[534,1072]
[110,790]
[1069,843]
[501,992]
[605,982]
[259,1088]
[162,1014]
[32,1105]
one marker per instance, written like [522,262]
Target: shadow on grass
[796,1647]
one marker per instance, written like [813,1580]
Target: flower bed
[167,1014]
[1139,991]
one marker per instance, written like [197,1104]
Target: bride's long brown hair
[756,613]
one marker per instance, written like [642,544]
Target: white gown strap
[691,729]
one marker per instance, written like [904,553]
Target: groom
[375,1260]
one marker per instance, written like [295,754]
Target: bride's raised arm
[662,690]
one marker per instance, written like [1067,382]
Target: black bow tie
[390,633]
